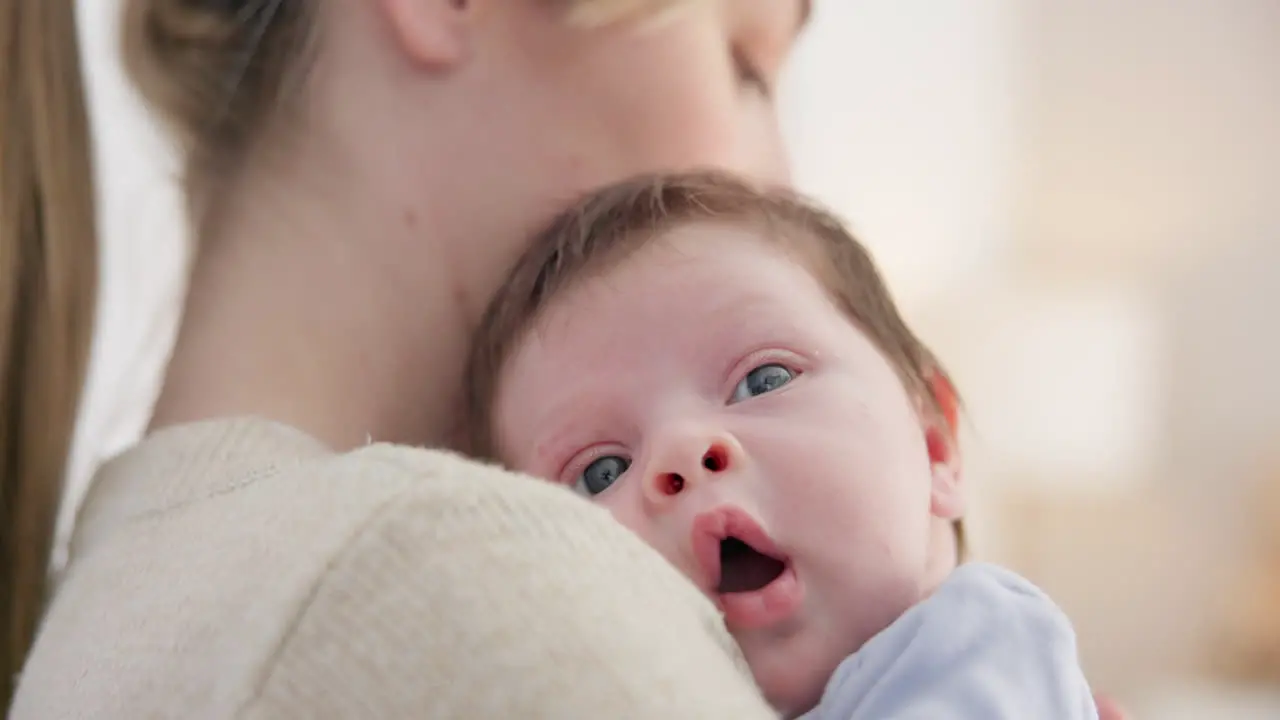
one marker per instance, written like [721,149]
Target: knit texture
[237,569]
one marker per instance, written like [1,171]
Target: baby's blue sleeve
[987,645]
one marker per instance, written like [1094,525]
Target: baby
[723,369]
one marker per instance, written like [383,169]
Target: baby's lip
[712,527]
[744,608]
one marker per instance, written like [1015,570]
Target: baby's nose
[690,465]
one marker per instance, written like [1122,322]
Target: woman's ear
[434,34]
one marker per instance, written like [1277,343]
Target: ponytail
[47,291]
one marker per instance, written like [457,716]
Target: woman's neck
[311,313]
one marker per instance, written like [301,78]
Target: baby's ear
[942,440]
[944,394]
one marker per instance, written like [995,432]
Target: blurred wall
[901,115]
[1147,175]
[1151,132]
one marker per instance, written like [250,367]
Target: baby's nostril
[714,460]
[672,484]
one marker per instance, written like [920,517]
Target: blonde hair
[48,278]
[611,223]
[216,72]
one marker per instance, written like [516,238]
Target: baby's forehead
[694,282]
[696,244]
[703,264]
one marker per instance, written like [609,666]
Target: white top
[988,645]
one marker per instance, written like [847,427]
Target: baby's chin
[792,694]
[792,682]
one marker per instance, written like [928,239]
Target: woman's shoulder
[229,462]
[285,494]
[240,567]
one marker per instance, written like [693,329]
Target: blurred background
[1077,204]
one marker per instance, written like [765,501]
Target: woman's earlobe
[434,34]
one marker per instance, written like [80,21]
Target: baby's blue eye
[761,380]
[601,474]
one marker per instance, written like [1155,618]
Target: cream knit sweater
[238,569]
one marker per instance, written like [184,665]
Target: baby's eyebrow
[547,451]
[555,439]
[586,414]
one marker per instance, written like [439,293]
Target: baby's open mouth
[745,569]
[751,580]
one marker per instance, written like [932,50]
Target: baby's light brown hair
[608,225]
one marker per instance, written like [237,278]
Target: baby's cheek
[628,509]
[629,512]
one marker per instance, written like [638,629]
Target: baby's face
[709,394]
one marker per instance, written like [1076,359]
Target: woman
[359,176]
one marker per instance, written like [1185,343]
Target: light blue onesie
[987,645]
